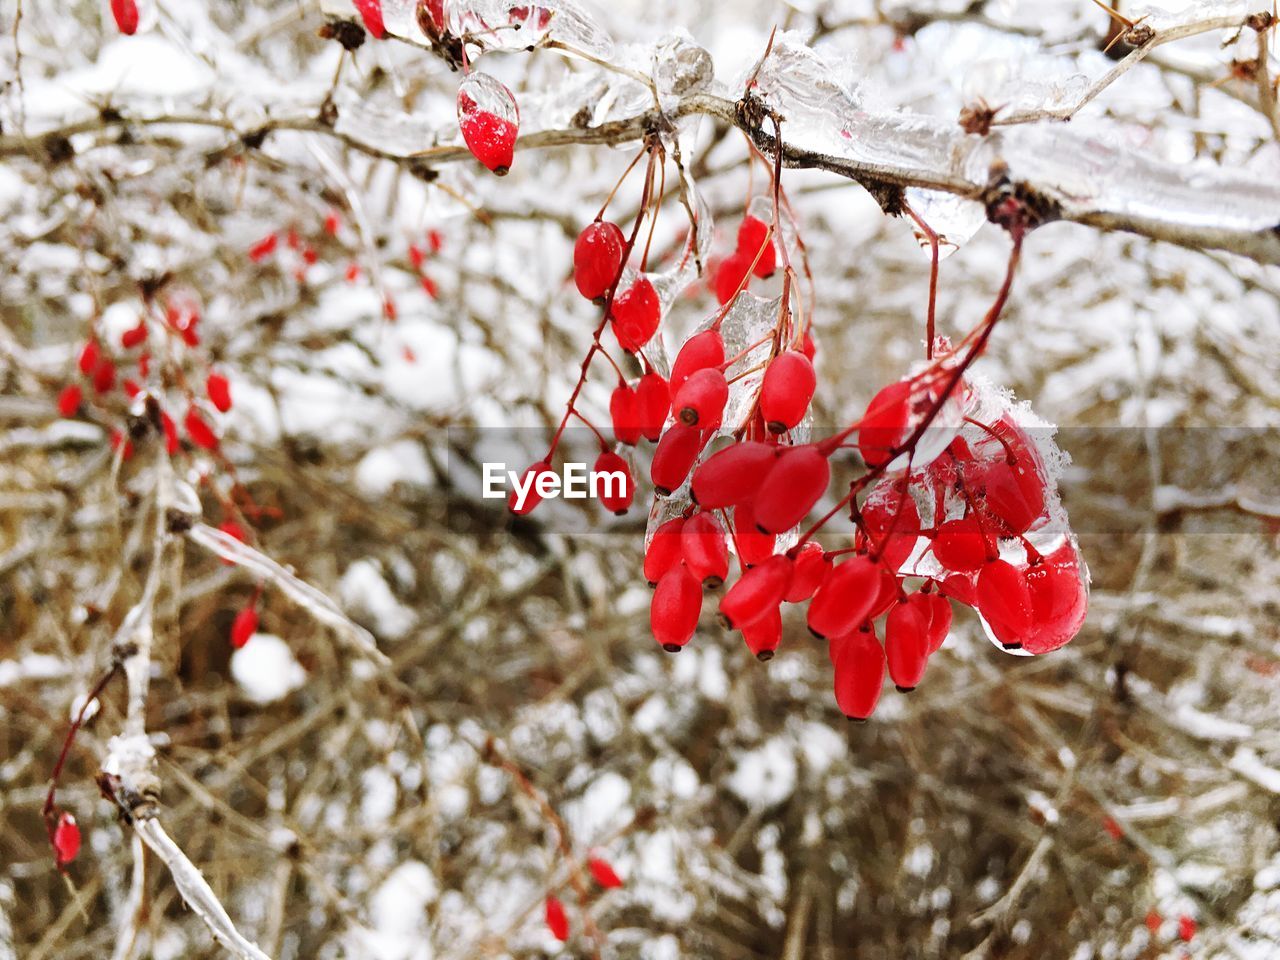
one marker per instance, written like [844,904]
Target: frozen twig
[302,593]
[195,890]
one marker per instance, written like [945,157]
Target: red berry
[674,457]
[104,375]
[859,663]
[960,546]
[170,433]
[961,587]
[884,424]
[597,258]
[664,550]
[635,315]
[753,238]
[616,492]
[371,14]
[529,482]
[232,529]
[676,605]
[757,592]
[1186,928]
[653,403]
[557,921]
[732,274]
[199,431]
[845,597]
[795,482]
[787,388]
[1004,601]
[753,546]
[489,120]
[133,336]
[763,636]
[130,388]
[1059,601]
[938,611]
[89,357]
[126,16]
[416,256]
[705,552]
[263,248]
[603,873]
[332,223]
[1011,495]
[624,414]
[69,399]
[906,645]
[807,346]
[731,476]
[1153,921]
[702,350]
[892,523]
[430,288]
[66,839]
[810,566]
[219,391]
[700,400]
[243,627]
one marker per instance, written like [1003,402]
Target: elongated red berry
[170,433]
[845,597]
[557,920]
[636,312]
[733,475]
[243,627]
[597,258]
[733,273]
[906,645]
[263,248]
[810,565]
[891,520]
[612,475]
[625,414]
[664,551]
[938,611]
[700,400]
[674,457]
[859,663]
[757,592]
[89,357]
[884,424]
[69,399]
[1059,600]
[702,350]
[787,388]
[1003,599]
[219,391]
[753,546]
[1013,495]
[763,636]
[704,549]
[674,610]
[796,481]
[960,545]
[1186,928]
[653,403]
[371,13]
[66,839]
[104,375]
[489,120]
[199,431]
[807,345]
[134,336]
[125,13]
[753,238]
[604,873]
[528,483]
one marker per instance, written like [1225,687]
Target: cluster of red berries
[755,254]
[969,513]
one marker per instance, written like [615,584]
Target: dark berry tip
[902,689]
[671,647]
[1012,646]
[764,656]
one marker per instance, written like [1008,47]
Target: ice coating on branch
[955,219]
[516,25]
[681,66]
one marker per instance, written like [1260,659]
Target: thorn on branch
[1016,206]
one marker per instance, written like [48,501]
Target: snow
[364,590]
[266,669]
[766,776]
